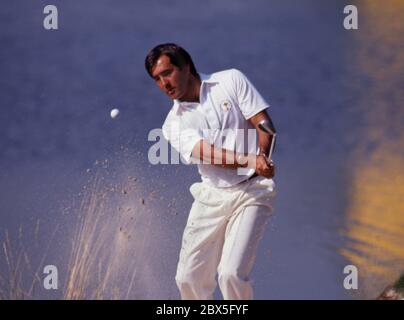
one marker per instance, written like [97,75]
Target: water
[336,99]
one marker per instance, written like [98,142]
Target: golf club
[267,127]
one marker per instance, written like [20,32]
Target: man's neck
[195,87]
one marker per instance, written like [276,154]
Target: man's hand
[264,168]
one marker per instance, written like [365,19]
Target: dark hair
[177,55]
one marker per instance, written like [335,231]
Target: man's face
[170,79]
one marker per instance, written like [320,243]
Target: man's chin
[175,96]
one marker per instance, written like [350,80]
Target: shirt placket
[212,118]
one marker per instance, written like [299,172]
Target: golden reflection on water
[375,213]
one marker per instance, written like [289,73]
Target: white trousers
[222,234]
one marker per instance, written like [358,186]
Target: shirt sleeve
[249,99]
[182,137]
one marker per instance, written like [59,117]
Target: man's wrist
[263,152]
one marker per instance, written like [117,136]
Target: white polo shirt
[227,100]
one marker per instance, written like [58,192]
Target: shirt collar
[205,78]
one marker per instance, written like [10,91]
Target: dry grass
[102,262]
[14,286]
[102,259]
[96,247]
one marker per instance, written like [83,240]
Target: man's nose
[163,82]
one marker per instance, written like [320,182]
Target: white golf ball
[114,113]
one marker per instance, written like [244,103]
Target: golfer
[210,123]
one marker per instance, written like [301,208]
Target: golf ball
[114,113]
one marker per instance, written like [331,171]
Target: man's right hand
[263,168]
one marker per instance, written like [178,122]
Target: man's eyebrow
[163,71]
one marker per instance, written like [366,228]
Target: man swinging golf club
[230,211]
